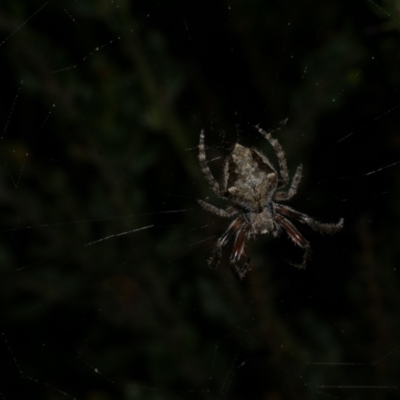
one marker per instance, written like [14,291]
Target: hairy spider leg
[238,245]
[312,223]
[205,168]
[279,153]
[226,175]
[283,196]
[222,241]
[238,250]
[297,238]
[228,213]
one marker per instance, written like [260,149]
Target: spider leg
[238,251]
[312,223]
[280,154]
[205,168]
[242,271]
[229,212]
[226,175]
[238,246]
[282,196]
[222,241]
[297,238]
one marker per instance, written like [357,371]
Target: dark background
[111,136]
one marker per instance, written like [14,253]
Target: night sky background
[101,107]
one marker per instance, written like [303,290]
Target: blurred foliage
[101,107]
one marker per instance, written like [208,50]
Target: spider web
[105,288]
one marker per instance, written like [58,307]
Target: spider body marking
[255,188]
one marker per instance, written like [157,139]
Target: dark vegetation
[119,149]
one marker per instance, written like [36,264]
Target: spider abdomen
[251,180]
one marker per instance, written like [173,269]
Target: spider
[254,187]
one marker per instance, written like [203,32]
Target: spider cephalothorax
[254,187]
